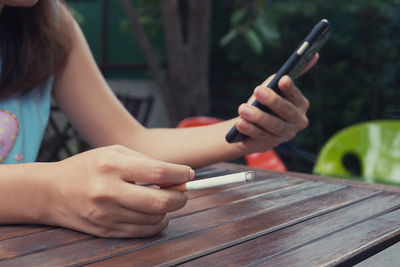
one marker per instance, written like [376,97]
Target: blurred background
[204,57]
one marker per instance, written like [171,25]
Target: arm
[93,192]
[23,192]
[200,146]
[88,102]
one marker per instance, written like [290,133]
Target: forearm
[196,147]
[24,193]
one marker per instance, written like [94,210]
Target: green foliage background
[356,79]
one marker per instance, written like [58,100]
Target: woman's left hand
[266,131]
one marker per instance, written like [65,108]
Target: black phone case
[292,67]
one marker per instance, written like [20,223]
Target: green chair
[368,151]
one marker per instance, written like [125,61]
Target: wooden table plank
[237,193]
[342,245]
[250,206]
[226,235]
[11,231]
[290,238]
[93,250]
[38,242]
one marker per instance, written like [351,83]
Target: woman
[44,53]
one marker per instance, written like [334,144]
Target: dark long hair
[32,46]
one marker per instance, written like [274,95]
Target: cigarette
[213,182]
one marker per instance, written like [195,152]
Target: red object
[267,160]
[197,121]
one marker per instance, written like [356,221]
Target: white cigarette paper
[215,181]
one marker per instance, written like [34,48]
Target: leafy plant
[149,15]
[249,20]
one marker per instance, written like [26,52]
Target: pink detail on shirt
[18,157]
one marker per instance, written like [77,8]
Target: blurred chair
[266,160]
[60,139]
[368,151]
[197,121]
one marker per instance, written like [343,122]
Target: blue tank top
[23,120]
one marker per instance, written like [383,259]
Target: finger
[150,200]
[162,172]
[265,84]
[255,133]
[135,231]
[293,94]
[108,212]
[143,169]
[280,106]
[263,120]
[158,172]
[131,216]
[129,230]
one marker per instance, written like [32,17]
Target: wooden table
[281,219]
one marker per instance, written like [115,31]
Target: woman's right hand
[95,192]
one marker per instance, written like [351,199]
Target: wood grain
[231,194]
[230,234]
[279,243]
[11,231]
[39,241]
[342,245]
[281,219]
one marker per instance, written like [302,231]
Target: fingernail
[246,111]
[286,79]
[243,125]
[262,93]
[191,174]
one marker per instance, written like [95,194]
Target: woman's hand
[265,130]
[95,192]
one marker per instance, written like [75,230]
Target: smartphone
[292,67]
